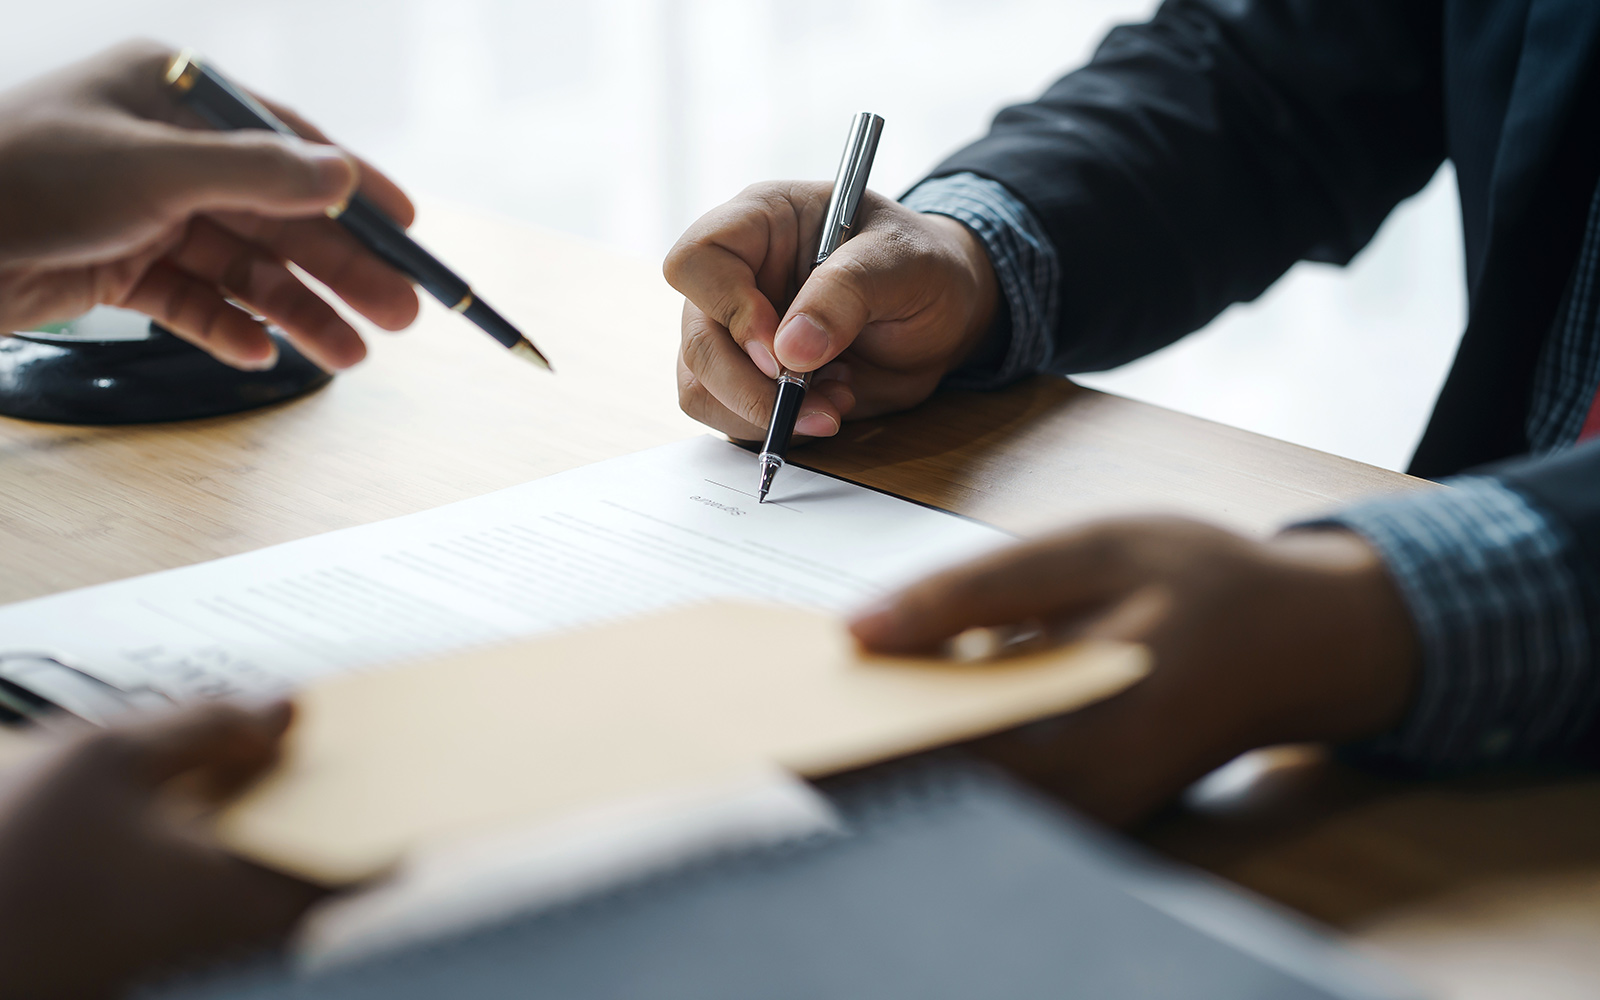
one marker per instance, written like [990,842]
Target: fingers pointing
[192,171]
[197,312]
[260,280]
[1037,581]
[375,184]
[211,737]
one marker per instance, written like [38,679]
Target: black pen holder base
[69,378]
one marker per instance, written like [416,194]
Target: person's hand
[1302,638]
[111,194]
[903,301]
[103,884]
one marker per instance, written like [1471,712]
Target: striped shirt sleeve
[1500,608]
[1025,266]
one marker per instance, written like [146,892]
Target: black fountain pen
[848,187]
[209,94]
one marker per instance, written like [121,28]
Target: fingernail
[334,171]
[261,364]
[817,424]
[801,343]
[763,358]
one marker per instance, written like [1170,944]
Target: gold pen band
[182,70]
[464,304]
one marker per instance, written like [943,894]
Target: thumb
[833,306]
[249,171]
[218,737]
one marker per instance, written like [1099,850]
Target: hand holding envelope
[383,764]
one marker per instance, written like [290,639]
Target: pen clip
[850,183]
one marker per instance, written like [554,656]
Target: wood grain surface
[1046,451]
[435,414]
[1486,888]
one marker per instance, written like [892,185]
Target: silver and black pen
[211,96]
[848,187]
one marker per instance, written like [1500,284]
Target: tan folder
[381,764]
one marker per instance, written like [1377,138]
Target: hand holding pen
[111,198]
[221,104]
[907,298]
[855,166]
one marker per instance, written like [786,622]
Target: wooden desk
[1460,883]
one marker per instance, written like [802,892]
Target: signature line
[769,503]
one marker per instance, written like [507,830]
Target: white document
[675,524]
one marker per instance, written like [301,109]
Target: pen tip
[525,350]
[769,469]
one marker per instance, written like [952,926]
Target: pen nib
[525,350]
[770,464]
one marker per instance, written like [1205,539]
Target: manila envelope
[385,763]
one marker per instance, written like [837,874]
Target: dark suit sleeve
[1199,155]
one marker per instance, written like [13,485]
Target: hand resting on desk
[103,886]
[1301,638]
[903,301]
[110,194]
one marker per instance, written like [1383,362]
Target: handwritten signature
[725,508]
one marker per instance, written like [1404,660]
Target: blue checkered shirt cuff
[1507,670]
[1025,266]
